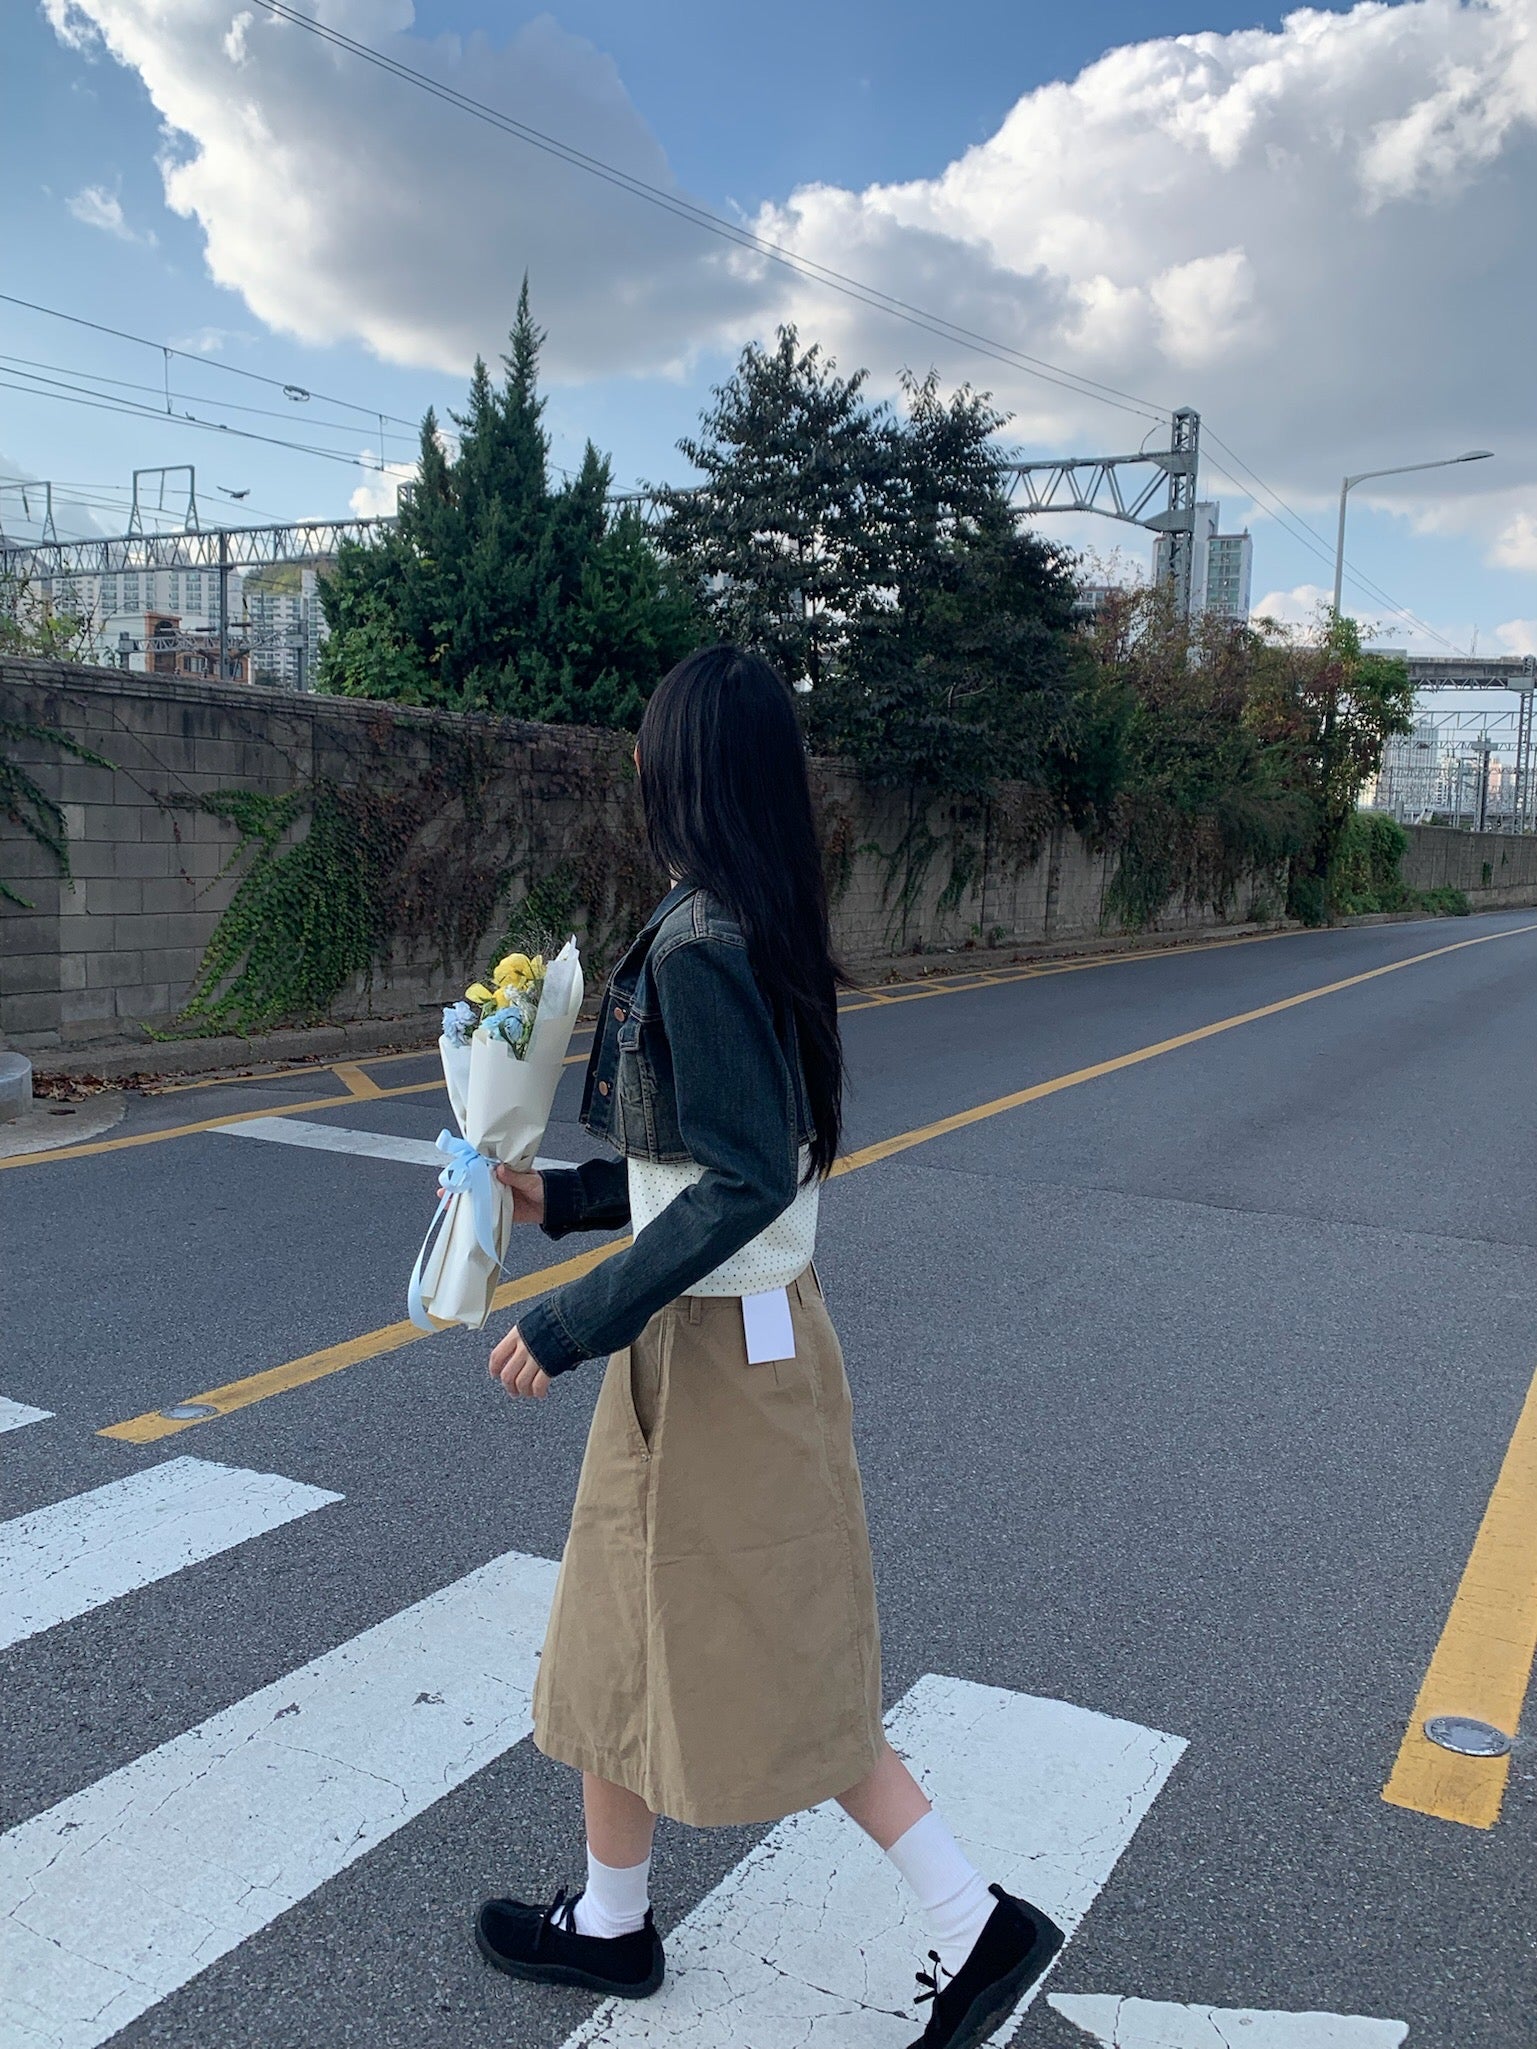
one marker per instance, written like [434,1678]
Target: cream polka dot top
[771,1260]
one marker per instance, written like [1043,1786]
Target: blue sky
[1305,226]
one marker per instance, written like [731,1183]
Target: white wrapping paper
[502,1105]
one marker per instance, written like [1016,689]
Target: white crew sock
[949,1889]
[616,1899]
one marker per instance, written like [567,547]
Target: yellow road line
[1482,1665]
[316,1365]
[979,978]
[353,1079]
[256,1387]
[358,1084]
[253,1077]
[886,1147]
[137,1138]
[157,1137]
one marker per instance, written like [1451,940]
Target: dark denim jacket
[689,1062]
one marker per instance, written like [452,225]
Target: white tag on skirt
[767,1326]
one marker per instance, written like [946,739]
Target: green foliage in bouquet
[499,591]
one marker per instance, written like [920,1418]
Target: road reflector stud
[1467,1737]
[184,1411]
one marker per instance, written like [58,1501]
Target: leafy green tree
[32,623]
[496,590]
[957,671]
[1329,709]
[1166,757]
[788,533]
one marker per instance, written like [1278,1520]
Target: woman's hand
[513,1364]
[527,1194]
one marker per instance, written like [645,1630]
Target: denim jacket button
[602,1088]
[618,1013]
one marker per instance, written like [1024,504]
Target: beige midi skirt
[713,1643]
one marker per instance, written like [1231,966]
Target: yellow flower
[479,993]
[517,972]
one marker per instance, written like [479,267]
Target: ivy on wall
[24,802]
[395,856]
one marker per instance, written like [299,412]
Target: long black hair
[728,807]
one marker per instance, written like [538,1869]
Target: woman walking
[713,1652]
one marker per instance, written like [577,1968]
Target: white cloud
[375,497]
[1307,234]
[1305,604]
[1310,234]
[210,341]
[24,506]
[1515,545]
[1518,636]
[1299,606]
[98,208]
[346,206]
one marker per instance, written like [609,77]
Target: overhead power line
[718,224]
[168,349]
[53,388]
[672,203]
[226,405]
[1297,527]
[804,266]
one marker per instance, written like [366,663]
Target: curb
[156,1059]
[15,1086]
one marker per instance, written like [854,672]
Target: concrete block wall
[120,950]
[1491,868]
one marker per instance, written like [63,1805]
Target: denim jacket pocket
[634,1099]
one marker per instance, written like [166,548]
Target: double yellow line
[1482,1665]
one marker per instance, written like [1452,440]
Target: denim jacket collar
[674,896]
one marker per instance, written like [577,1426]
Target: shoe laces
[561,1913]
[930,1980]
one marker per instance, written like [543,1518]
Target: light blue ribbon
[467,1172]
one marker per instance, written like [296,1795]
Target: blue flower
[511,1024]
[459,1022]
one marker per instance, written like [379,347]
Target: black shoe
[542,1943]
[1012,1951]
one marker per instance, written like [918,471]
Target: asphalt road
[1181,1392]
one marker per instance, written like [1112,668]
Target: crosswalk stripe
[16,1415]
[337,1138]
[1117,2023]
[123,1892]
[811,1943]
[63,1560]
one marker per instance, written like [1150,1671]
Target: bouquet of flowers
[503,1049]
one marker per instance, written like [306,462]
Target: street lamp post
[1446,462]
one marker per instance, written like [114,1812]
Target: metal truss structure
[1471,743]
[28,492]
[1123,487]
[300,540]
[1473,672]
[180,469]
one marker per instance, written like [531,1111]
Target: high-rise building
[146,605]
[286,624]
[1221,565]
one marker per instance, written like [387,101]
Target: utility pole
[1521,802]
[223,606]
